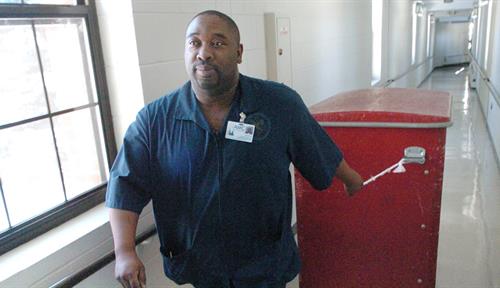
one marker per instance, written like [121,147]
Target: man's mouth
[202,67]
[205,70]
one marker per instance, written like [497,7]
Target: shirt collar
[188,108]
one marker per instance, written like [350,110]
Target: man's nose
[204,53]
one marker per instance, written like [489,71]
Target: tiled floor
[469,239]
[469,244]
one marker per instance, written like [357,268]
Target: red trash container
[387,234]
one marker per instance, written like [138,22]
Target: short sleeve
[311,150]
[129,183]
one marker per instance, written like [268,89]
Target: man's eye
[218,44]
[193,43]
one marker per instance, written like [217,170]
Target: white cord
[388,170]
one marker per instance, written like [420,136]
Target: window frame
[38,225]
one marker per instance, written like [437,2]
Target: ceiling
[451,10]
[440,5]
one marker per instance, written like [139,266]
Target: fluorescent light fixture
[483,2]
[459,71]
[419,8]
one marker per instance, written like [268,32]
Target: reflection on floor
[469,243]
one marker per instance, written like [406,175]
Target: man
[214,156]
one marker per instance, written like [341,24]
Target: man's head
[212,52]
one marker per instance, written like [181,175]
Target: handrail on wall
[414,67]
[486,79]
[79,276]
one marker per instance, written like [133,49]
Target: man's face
[212,54]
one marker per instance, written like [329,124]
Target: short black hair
[229,21]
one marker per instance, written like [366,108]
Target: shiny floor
[469,240]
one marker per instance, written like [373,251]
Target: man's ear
[240,53]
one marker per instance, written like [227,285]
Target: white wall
[331,42]
[493,114]
[121,62]
[331,46]
[493,122]
[451,43]
[491,66]
[480,55]
[400,29]
[399,46]
[421,52]
[482,33]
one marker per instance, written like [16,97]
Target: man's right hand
[130,271]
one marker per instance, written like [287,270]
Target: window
[56,140]
[377,19]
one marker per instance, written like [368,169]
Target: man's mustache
[206,64]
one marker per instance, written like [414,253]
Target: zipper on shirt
[219,145]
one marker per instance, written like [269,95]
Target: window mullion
[37,118]
[40,63]
[5,204]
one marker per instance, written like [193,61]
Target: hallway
[469,240]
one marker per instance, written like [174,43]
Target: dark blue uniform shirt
[223,207]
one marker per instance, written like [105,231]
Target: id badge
[240,131]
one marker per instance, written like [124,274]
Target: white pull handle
[412,154]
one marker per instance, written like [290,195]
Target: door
[284,57]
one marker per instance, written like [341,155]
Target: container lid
[386,105]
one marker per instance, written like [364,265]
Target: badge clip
[242,117]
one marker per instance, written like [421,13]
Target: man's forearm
[352,180]
[123,225]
